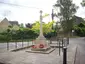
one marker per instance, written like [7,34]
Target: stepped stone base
[40,49]
[40,40]
[47,51]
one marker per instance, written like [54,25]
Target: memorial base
[40,49]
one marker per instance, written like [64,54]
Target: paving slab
[23,57]
[42,52]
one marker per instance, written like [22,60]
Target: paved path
[80,53]
[22,57]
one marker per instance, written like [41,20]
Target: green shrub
[4,38]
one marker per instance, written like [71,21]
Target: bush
[51,34]
[4,38]
[24,34]
[80,30]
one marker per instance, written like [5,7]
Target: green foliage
[81,25]
[67,10]
[27,33]
[46,27]
[21,34]
[21,25]
[36,27]
[83,3]
[2,38]
[80,29]
[50,34]
[5,37]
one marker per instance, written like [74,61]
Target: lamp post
[65,52]
[65,55]
[52,15]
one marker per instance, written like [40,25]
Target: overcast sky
[27,11]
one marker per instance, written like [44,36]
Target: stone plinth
[40,44]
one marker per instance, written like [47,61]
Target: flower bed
[39,47]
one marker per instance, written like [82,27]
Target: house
[4,25]
[78,20]
[14,23]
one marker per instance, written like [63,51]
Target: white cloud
[81,10]
[28,11]
[26,14]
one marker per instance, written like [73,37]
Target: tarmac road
[80,52]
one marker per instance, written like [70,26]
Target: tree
[47,28]
[67,11]
[36,27]
[80,29]
[22,25]
[28,25]
[83,3]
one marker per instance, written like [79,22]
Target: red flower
[41,46]
[34,46]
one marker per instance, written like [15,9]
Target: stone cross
[41,40]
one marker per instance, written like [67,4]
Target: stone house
[78,20]
[4,25]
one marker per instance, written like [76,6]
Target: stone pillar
[41,31]
[41,37]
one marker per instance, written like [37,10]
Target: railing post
[16,45]
[62,43]
[7,45]
[28,43]
[59,47]
[22,42]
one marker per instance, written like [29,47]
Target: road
[22,55]
[80,51]
[12,45]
